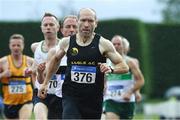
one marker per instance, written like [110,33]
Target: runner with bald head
[84,77]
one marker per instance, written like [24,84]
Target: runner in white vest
[51,106]
[57,79]
[118,84]
[69,27]
[120,88]
[55,84]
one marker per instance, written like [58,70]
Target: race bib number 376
[83,74]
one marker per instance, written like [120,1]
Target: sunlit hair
[90,9]
[69,16]
[51,15]
[16,36]
[121,37]
[125,43]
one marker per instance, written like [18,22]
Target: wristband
[112,70]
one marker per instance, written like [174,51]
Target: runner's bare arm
[138,76]
[109,51]
[55,59]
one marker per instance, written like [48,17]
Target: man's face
[87,23]
[69,27]
[117,42]
[49,26]
[16,46]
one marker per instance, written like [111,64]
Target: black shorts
[82,108]
[12,111]
[53,103]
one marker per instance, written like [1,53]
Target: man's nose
[86,23]
[72,29]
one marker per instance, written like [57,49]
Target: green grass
[143,117]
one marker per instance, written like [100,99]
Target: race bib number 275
[83,74]
[17,87]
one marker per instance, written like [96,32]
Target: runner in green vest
[121,88]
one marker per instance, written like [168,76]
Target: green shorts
[124,110]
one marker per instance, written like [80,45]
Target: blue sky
[24,10]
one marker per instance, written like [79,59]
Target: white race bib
[17,87]
[53,83]
[83,74]
[114,91]
[60,78]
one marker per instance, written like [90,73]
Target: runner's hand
[27,72]
[127,95]
[104,68]
[41,67]
[42,92]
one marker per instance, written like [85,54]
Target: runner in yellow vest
[16,80]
